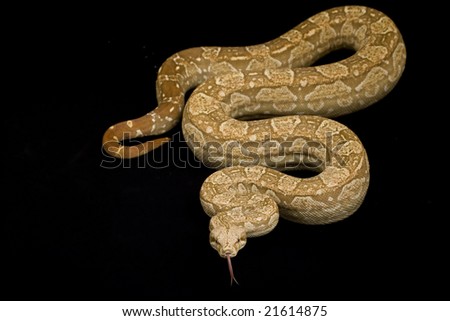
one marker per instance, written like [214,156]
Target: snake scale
[258,111]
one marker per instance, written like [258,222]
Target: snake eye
[242,239]
[213,242]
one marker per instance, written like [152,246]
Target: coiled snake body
[225,121]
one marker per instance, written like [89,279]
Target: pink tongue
[230,268]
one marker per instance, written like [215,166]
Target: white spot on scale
[130,123]
[112,127]
[311,33]
[171,109]
[280,50]
[209,129]
[221,93]
[169,118]
[248,225]
[139,133]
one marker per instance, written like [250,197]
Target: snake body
[225,121]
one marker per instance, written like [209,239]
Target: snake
[255,112]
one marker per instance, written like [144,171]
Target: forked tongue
[230,268]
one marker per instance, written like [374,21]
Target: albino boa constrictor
[225,121]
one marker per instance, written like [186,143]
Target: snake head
[227,240]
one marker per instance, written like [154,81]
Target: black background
[76,230]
